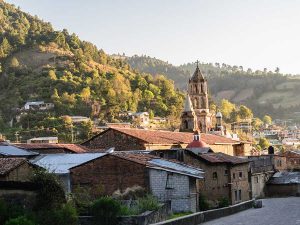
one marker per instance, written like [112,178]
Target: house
[166,180]
[79,119]
[225,176]
[283,184]
[45,148]
[10,151]
[15,169]
[292,159]
[60,164]
[38,105]
[50,140]
[123,139]
[142,118]
[260,171]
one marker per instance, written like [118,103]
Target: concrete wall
[179,189]
[200,217]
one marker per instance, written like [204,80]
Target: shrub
[106,211]
[21,220]
[148,203]
[223,202]
[9,210]
[50,194]
[66,215]
[203,204]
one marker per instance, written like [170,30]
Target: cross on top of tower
[197,63]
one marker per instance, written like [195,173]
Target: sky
[255,34]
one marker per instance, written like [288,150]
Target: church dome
[197,143]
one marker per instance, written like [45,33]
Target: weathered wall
[174,187]
[212,189]
[21,173]
[240,183]
[113,138]
[258,184]
[279,163]
[110,173]
[282,190]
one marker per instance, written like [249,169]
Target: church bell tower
[198,94]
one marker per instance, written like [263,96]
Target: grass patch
[177,215]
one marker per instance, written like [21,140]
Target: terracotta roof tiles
[70,147]
[222,158]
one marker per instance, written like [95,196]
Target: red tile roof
[169,137]
[222,158]
[8,164]
[69,147]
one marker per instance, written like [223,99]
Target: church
[196,115]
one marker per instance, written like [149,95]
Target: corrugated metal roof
[61,163]
[285,178]
[177,167]
[9,150]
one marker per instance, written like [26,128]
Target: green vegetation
[74,75]
[19,221]
[223,202]
[265,92]
[177,215]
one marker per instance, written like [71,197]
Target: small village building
[283,184]
[15,169]
[45,148]
[60,164]
[225,176]
[261,169]
[49,140]
[141,118]
[38,105]
[125,139]
[166,180]
[292,159]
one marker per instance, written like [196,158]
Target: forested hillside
[265,92]
[38,63]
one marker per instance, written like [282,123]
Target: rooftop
[61,163]
[8,164]
[70,147]
[285,178]
[10,150]
[223,158]
[169,137]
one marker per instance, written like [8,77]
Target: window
[240,174]
[233,175]
[215,175]
[240,195]
[256,179]
[226,172]
[170,181]
[235,195]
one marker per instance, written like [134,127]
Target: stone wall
[258,184]
[179,189]
[109,173]
[239,183]
[21,173]
[200,217]
[146,218]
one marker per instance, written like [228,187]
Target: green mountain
[38,63]
[265,92]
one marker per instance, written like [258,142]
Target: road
[275,211]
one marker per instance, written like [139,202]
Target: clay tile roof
[223,158]
[169,137]
[135,157]
[9,164]
[70,147]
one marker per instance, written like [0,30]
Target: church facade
[196,115]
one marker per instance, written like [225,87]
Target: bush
[66,215]
[148,203]
[19,221]
[9,210]
[203,204]
[223,202]
[106,211]
[50,194]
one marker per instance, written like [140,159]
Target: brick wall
[113,138]
[109,173]
[174,187]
